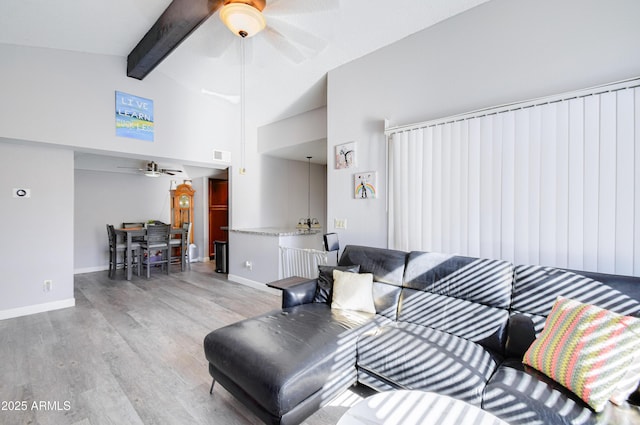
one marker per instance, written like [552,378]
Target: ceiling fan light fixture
[152,170]
[242,19]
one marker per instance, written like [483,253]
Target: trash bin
[222,260]
[193,253]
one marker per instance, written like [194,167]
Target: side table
[287,282]
[405,407]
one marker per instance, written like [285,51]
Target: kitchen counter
[254,253]
[279,231]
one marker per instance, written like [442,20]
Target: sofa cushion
[387,267]
[536,289]
[281,358]
[473,321]
[585,348]
[465,296]
[324,288]
[483,281]
[520,395]
[410,356]
[353,291]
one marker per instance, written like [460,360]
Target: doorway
[218,213]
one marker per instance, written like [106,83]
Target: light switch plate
[340,223]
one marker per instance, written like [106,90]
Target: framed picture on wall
[365,185]
[346,155]
[134,117]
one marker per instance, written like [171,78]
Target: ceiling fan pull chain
[242,107]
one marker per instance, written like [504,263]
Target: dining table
[131,232]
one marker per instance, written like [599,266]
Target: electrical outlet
[248,264]
[47,285]
[340,223]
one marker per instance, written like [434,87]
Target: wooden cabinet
[218,212]
[182,206]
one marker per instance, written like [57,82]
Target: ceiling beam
[175,24]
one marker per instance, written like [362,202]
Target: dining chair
[156,242]
[114,248]
[331,243]
[134,225]
[183,243]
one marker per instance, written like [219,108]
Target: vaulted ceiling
[324,34]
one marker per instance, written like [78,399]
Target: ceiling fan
[248,18]
[182,17]
[152,169]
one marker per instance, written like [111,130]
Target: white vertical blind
[554,181]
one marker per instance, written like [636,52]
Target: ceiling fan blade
[221,39]
[293,7]
[228,97]
[298,36]
[284,46]
[167,170]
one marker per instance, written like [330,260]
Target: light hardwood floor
[130,353]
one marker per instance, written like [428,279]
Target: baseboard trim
[105,268]
[37,308]
[253,284]
[91,269]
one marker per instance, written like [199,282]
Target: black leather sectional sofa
[453,325]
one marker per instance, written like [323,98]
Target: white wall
[200,228]
[68,98]
[284,192]
[307,128]
[500,52]
[38,231]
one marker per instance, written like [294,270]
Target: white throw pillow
[353,291]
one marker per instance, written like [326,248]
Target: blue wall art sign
[134,116]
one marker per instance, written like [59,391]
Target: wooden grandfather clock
[182,206]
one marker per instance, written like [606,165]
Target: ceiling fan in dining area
[152,169]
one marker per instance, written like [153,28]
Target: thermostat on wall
[21,193]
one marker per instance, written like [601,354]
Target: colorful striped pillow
[585,348]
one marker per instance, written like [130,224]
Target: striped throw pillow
[585,348]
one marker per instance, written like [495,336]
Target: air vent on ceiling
[224,156]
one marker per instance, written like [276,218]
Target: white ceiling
[276,87]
